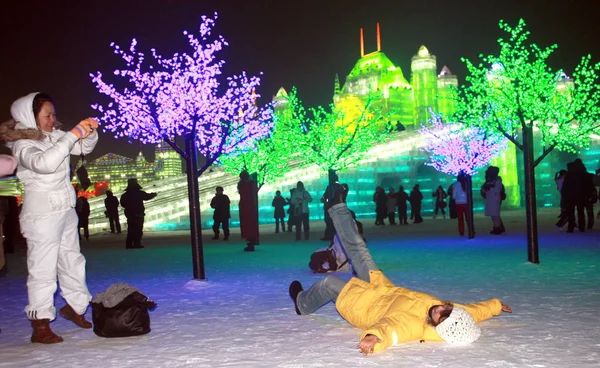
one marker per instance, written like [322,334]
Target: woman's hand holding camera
[85,128]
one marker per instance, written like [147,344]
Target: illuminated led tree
[265,159]
[515,92]
[181,96]
[334,139]
[454,149]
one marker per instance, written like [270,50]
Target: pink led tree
[455,149]
[164,98]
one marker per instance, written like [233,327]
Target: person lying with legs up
[387,314]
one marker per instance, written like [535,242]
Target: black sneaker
[295,289]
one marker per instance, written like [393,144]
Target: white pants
[53,254]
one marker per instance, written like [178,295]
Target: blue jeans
[328,289]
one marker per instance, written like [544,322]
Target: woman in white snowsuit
[48,218]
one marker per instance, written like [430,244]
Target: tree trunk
[254,177]
[193,196]
[332,178]
[530,199]
[470,220]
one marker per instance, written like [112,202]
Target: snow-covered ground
[242,315]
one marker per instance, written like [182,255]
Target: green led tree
[265,159]
[332,138]
[516,92]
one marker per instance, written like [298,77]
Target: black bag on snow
[129,317]
[321,257]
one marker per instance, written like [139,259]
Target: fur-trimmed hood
[11,131]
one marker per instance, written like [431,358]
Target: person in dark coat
[401,199]
[576,191]
[82,206]
[491,190]
[380,199]
[279,213]
[248,210]
[221,203]
[133,203]
[416,197]
[111,203]
[440,203]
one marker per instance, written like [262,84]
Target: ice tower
[280,100]
[446,87]
[425,84]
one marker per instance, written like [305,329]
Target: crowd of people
[578,194]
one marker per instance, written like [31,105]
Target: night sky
[52,46]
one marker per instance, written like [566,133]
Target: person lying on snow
[387,314]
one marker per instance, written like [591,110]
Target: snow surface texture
[242,315]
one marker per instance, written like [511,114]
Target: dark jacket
[112,206]
[279,202]
[401,198]
[82,207]
[221,205]
[133,201]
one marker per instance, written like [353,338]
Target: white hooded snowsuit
[48,218]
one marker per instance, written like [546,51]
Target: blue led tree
[454,149]
[164,98]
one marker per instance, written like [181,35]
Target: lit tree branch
[518,86]
[454,148]
[181,95]
[333,139]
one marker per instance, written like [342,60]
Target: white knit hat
[458,328]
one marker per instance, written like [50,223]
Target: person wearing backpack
[494,193]
[387,314]
[300,200]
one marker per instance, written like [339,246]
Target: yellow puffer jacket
[395,314]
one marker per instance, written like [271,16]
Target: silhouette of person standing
[133,203]
[112,212]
